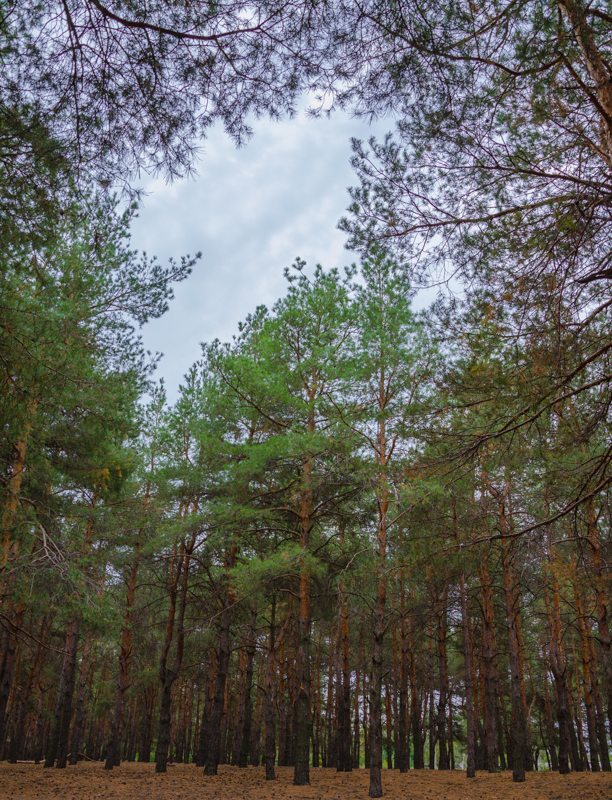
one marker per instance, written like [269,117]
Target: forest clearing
[139,782]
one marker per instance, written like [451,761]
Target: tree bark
[587,684]
[79,718]
[301,716]
[179,572]
[245,745]
[469,688]
[9,512]
[521,755]
[488,659]
[375,733]
[13,621]
[403,721]
[223,656]
[443,686]
[125,655]
[58,745]
[603,628]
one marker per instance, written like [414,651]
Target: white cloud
[251,212]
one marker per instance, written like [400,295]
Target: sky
[251,212]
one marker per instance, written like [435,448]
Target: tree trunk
[382,497]
[469,689]
[255,755]
[7,665]
[223,657]
[269,693]
[356,735]
[58,744]
[206,713]
[389,725]
[415,704]
[301,716]
[375,733]
[79,719]
[603,629]
[443,688]
[519,721]
[587,685]
[20,714]
[521,755]
[488,660]
[125,655]
[549,720]
[403,741]
[345,696]
[245,745]
[169,674]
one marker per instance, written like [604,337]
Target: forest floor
[89,781]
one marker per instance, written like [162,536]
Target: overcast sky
[250,212]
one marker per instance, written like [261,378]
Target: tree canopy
[360,528]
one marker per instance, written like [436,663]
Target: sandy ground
[89,781]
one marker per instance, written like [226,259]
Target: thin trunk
[12,624]
[549,720]
[125,655]
[168,674]
[255,755]
[269,692]
[469,688]
[346,687]
[432,715]
[339,733]
[389,726]
[375,726]
[282,705]
[521,755]
[488,659]
[206,712]
[330,734]
[316,728]
[518,712]
[165,672]
[587,685]
[237,719]
[415,704]
[558,663]
[66,716]
[395,689]
[301,716]
[443,686]
[603,629]
[19,731]
[356,729]
[63,702]
[403,741]
[245,745]
[223,656]
[79,719]
[575,701]
[383,498]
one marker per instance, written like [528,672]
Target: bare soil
[89,781]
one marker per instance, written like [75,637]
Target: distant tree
[392,364]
